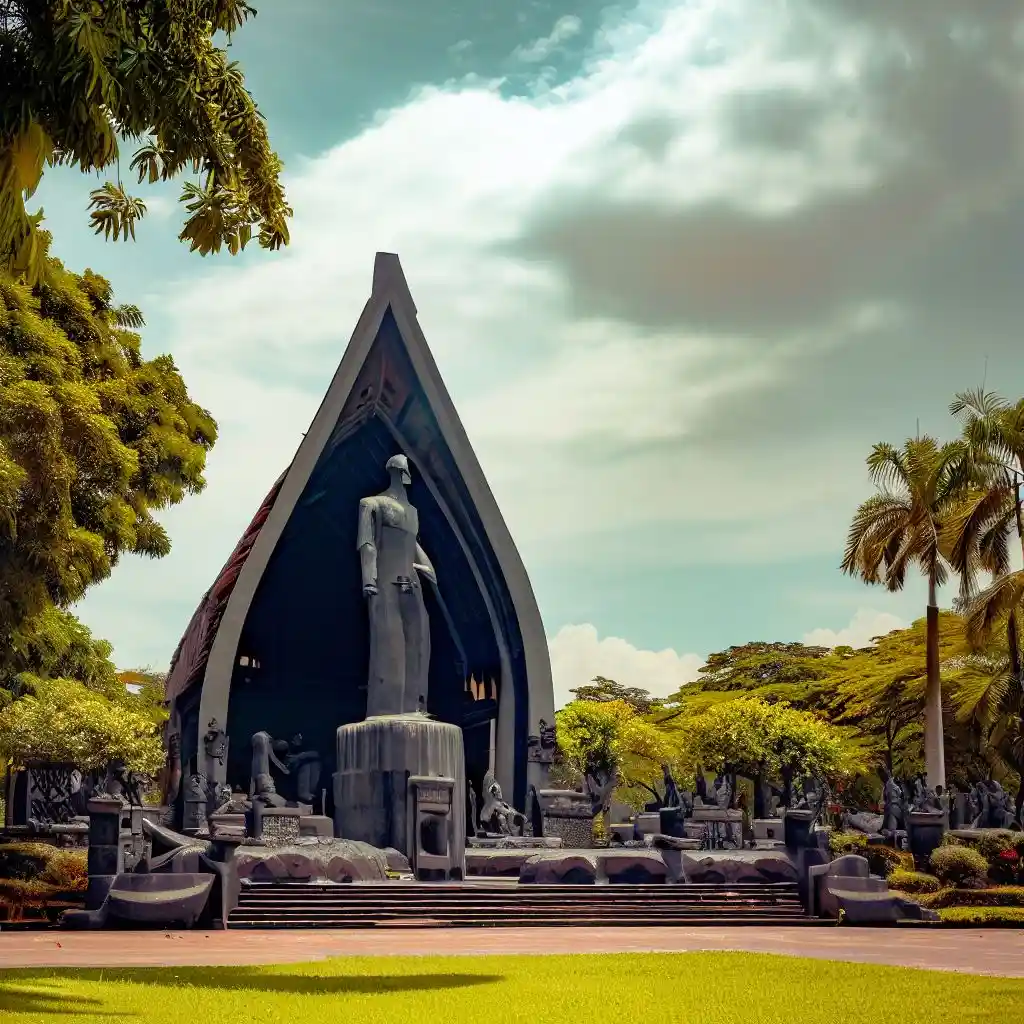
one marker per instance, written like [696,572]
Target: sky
[680,263]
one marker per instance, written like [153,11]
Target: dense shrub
[841,843]
[67,870]
[997,896]
[983,915]
[959,866]
[884,860]
[913,881]
[24,860]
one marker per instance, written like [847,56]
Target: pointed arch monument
[279,642]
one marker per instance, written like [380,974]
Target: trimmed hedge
[884,860]
[840,843]
[997,896]
[959,866]
[983,916]
[25,860]
[913,882]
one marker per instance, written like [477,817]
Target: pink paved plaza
[994,952]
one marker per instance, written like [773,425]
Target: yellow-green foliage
[94,438]
[156,72]
[603,738]
[995,896]
[913,881]
[840,843]
[959,866]
[752,737]
[884,860]
[698,988]
[37,874]
[984,916]
[67,870]
[25,860]
[62,720]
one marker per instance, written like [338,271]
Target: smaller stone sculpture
[701,785]
[600,790]
[997,803]
[975,805]
[1009,811]
[497,817]
[263,789]
[672,797]
[893,803]
[215,742]
[290,759]
[472,810]
[926,798]
[541,748]
[122,784]
[722,793]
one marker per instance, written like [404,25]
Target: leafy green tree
[608,740]
[602,689]
[62,699]
[759,741]
[80,77]
[93,439]
[919,488]
[55,645]
[62,720]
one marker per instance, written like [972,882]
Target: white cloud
[866,624]
[578,654]
[555,401]
[539,50]
[444,181]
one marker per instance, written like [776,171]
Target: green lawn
[695,988]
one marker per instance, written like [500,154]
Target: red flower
[1010,855]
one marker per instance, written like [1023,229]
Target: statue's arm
[424,566]
[366,542]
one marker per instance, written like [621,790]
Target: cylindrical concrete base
[375,758]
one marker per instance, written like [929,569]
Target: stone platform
[341,860]
[633,864]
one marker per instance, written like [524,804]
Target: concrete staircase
[493,903]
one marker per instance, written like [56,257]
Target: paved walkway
[995,952]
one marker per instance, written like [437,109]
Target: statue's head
[399,465]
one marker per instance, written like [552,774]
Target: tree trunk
[1013,644]
[760,811]
[787,787]
[934,754]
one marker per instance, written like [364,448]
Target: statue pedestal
[372,798]
[925,830]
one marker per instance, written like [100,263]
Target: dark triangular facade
[279,643]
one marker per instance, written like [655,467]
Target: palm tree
[980,538]
[994,433]
[920,487]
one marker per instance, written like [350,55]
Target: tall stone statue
[392,563]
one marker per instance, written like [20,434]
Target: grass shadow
[262,979]
[14,999]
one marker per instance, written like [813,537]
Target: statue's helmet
[400,464]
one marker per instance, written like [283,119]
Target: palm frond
[114,212]
[992,605]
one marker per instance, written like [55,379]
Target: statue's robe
[399,627]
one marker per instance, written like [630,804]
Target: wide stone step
[310,906]
[493,904]
[570,920]
[285,899]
